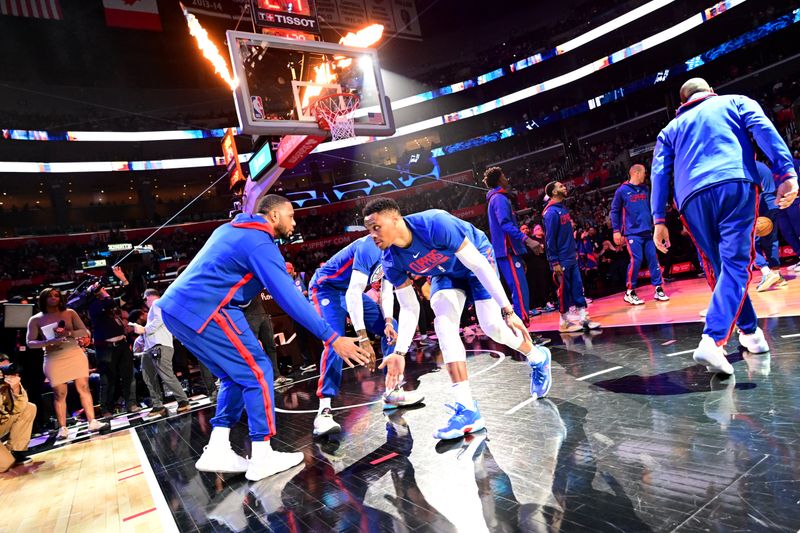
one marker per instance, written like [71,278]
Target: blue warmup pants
[569,286]
[789,223]
[332,307]
[767,249]
[229,348]
[642,247]
[721,220]
[514,274]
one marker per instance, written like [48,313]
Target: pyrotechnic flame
[209,49]
[324,74]
[363,38]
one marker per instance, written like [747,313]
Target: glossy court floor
[633,437]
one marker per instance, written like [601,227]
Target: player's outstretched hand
[661,237]
[390,334]
[618,240]
[394,364]
[351,353]
[786,193]
[517,325]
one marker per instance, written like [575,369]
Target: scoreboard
[285,16]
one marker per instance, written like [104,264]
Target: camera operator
[16,416]
[114,355]
[60,332]
[157,358]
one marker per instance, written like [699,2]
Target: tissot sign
[293,15]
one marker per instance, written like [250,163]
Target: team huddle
[717,194]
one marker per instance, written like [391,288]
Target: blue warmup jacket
[506,237]
[630,210]
[708,143]
[362,255]
[560,242]
[237,262]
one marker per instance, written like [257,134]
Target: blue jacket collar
[257,222]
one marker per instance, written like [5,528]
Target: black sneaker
[21,458]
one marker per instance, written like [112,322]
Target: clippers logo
[565,219]
[641,197]
[428,262]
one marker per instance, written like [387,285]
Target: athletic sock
[324,403]
[535,356]
[463,394]
[220,437]
[765,271]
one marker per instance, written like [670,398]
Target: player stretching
[706,151]
[337,290]
[202,309]
[459,260]
[632,223]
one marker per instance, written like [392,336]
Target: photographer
[60,332]
[157,358]
[114,356]
[16,416]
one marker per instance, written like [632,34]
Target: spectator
[157,359]
[114,356]
[16,418]
[61,332]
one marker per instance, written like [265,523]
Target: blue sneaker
[541,378]
[463,421]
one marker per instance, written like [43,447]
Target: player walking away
[202,309]
[562,254]
[459,260]
[706,152]
[633,226]
[337,290]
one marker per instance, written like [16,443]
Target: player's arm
[406,325]
[501,207]
[661,173]
[616,216]
[387,306]
[270,269]
[551,228]
[773,145]
[355,308]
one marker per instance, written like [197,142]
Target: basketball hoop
[335,112]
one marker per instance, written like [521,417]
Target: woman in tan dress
[60,332]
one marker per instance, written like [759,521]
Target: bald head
[637,174]
[694,85]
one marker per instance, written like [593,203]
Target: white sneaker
[223,460]
[63,433]
[568,326]
[271,463]
[583,318]
[712,356]
[660,295]
[755,342]
[401,398]
[796,267]
[96,425]
[632,298]
[768,281]
[324,424]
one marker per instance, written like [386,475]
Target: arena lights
[553,83]
[609,97]
[113,166]
[706,57]
[373,31]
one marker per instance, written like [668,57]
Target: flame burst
[209,49]
[324,73]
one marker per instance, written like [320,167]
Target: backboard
[279,80]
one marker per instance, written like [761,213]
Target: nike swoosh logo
[416,255]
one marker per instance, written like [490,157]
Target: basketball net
[335,113]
